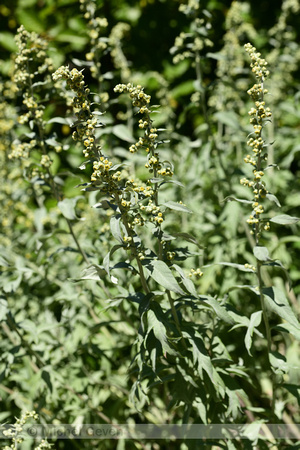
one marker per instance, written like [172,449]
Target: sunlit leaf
[284,219]
[162,274]
[277,303]
[255,320]
[67,208]
[261,253]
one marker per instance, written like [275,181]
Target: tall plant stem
[133,248]
[268,331]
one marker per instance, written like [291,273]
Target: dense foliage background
[79,343]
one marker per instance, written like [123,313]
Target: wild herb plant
[151,331]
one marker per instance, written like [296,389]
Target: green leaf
[93,272]
[188,237]
[276,301]
[281,266]
[278,363]
[30,20]
[201,359]
[234,265]
[177,207]
[230,198]
[284,219]
[274,199]
[255,320]
[187,282]
[261,253]
[106,260]
[67,208]
[115,228]
[7,41]
[122,132]
[3,308]
[61,120]
[289,328]
[159,331]
[228,118]
[77,41]
[220,311]
[162,274]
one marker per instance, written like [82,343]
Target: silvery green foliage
[140,279]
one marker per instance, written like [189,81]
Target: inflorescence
[258,117]
[31,78]
[104,176]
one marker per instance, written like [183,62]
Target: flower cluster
[189,45]
[258,117]
[14,433]
[95,26]
[226,93]
[32,65]
[148,141]
[104,176]
[31,78]
[197,273]
[86,123]
[115,40]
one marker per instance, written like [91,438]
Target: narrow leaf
[187,282]
[177,207]
[274,199]
[230,198]
[162,274]
[255,320]
[115,228]
[289,328]
[188,237]
[159,331]
[94,272]
[284,219]
[220,311]
[3,308]
[277,303]
[234,265]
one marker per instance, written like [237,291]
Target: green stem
[268,330]
[132,247]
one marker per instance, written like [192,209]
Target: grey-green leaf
[3,308]
[67,207]
[163,275]
[115,228]
[261,253]
[159,331]
[177,207]
[277,303]
[274,199]
[122,132]
[255,320]
[284,219]
[230,198]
